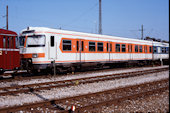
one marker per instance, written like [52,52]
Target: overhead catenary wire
[80,16]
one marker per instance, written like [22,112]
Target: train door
[130,51]
[13,52]
[109,50]
[159,50]
[11,56]
[145,51]
[80,50]
[8,53]
[1,52]
[1,46]
[52,48]
[5,52]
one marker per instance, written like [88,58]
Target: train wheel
[73,69]
[32,71]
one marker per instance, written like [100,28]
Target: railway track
[92,102]
[48,85]
[24,75]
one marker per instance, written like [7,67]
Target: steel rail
[23,75]
[116,101]
[44,104]
[65,83]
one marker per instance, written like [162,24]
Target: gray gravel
[157,103]
[75,76]
[6,101]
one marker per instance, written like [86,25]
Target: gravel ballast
[157,103]
[6,101]
[75,76]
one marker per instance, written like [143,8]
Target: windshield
[36,41]
[32,41]
[21,41]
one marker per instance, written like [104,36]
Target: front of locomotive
[32,49]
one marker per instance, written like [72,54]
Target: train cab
[32,48]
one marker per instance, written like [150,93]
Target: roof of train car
[4,31]
[66,32]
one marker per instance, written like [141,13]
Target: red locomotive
[9,52]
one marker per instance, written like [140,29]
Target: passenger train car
[9,53]
[41,47]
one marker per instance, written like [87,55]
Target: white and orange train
[41,46]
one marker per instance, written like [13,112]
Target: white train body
[41,46]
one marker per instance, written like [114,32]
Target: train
[43,48]
[9,51]
[38,49]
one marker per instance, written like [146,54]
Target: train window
[130,48]
[67,45]
[140,48]
[11,42]
[21,41]
[16,42]
[136,48]
[145,48]
[52,41]
[123,48]
[117,47]
[163,50]
[155,49]
[167,50]
[107,47]
[92,46]
[150,49]
[8,42]
[77,45]
[99,46]
[82,46]
[4,42]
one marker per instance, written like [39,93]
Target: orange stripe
[40,55]
[86,50]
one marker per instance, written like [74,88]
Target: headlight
[34,55]
[29,60]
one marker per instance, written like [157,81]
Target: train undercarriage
[26,64]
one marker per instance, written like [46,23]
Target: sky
[119,17]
